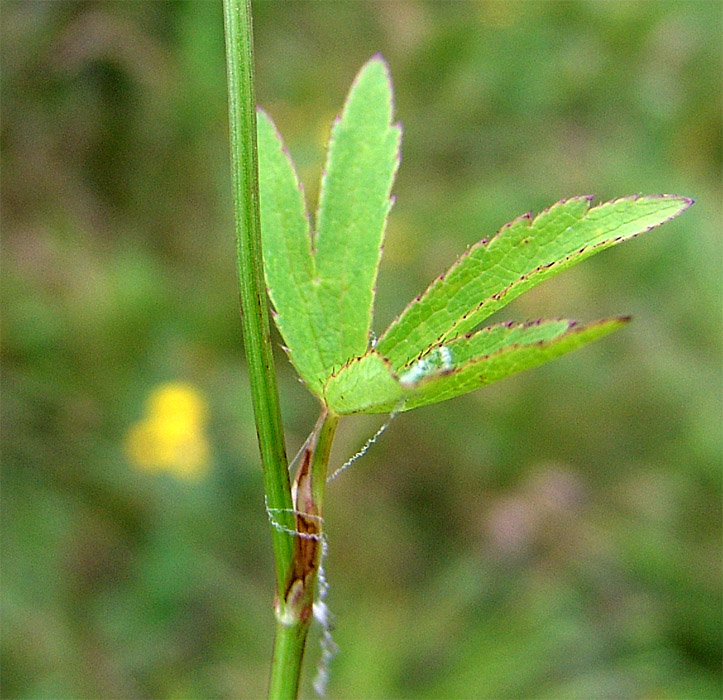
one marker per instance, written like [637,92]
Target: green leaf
[490,355]
[288,262]
[362,161]
[322,284]
[370,385]
[522,254]
[323,297]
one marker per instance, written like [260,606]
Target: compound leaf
[322,285]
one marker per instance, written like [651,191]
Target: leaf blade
[288,262]
[522,254]
[367,384]
[362,160]
[534,345]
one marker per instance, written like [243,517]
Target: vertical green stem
[289,645]
[257,342]
[296,558]
[294,611]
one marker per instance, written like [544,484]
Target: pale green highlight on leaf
[354,202]
[524,253]
[436,361]
[535,345]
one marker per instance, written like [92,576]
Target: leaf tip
[610,324]
[686,202]
[375,64]
[378,59]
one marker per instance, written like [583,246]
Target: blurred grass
[554,536]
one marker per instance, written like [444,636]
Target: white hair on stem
[322,614]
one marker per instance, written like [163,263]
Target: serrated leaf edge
[686,203]
[307,379]
[573,326]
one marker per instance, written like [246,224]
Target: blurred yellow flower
[172,436]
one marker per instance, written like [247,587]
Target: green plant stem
[295,611]
[255,316]
[289,644]
[296,559]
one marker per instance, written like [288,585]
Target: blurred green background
[556,535]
